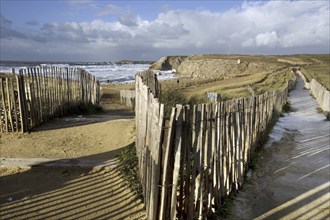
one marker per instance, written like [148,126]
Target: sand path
[292,178]
[66,169]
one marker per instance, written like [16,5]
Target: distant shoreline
[34,63]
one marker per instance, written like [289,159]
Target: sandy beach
[76,135]
[45,191]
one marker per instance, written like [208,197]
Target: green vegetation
[315,66]
[256,74]
[236,87]
[170,97]
[197,99]
[87,108]
[319,73]
[128,166]
[5,75]
[224,210]
[286,108]
[243,86]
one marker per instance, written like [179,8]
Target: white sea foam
[105,72]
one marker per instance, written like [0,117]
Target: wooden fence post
[205,154]
[177,153]
[167,174]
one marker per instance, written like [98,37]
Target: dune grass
[320,73]
[274,76]
[235,85]
[313,66]
[239,87]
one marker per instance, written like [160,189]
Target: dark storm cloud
[6,32]
[32,22]
[4,21]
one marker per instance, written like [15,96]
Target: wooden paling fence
[127,97]
[37,94]
[190,162]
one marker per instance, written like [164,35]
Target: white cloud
[124,16]
[256,27]
[269,39]
[248,43]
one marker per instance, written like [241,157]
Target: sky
[102,31]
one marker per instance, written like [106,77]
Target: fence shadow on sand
[68,192]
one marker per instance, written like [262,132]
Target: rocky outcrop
[121,62]
[168,63]
[213,66]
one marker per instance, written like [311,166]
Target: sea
[105,72]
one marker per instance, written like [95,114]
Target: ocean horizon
[106,72]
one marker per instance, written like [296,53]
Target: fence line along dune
[191,162]
[37,94]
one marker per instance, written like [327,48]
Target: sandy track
[66,193]
[71,138]
[69,187]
